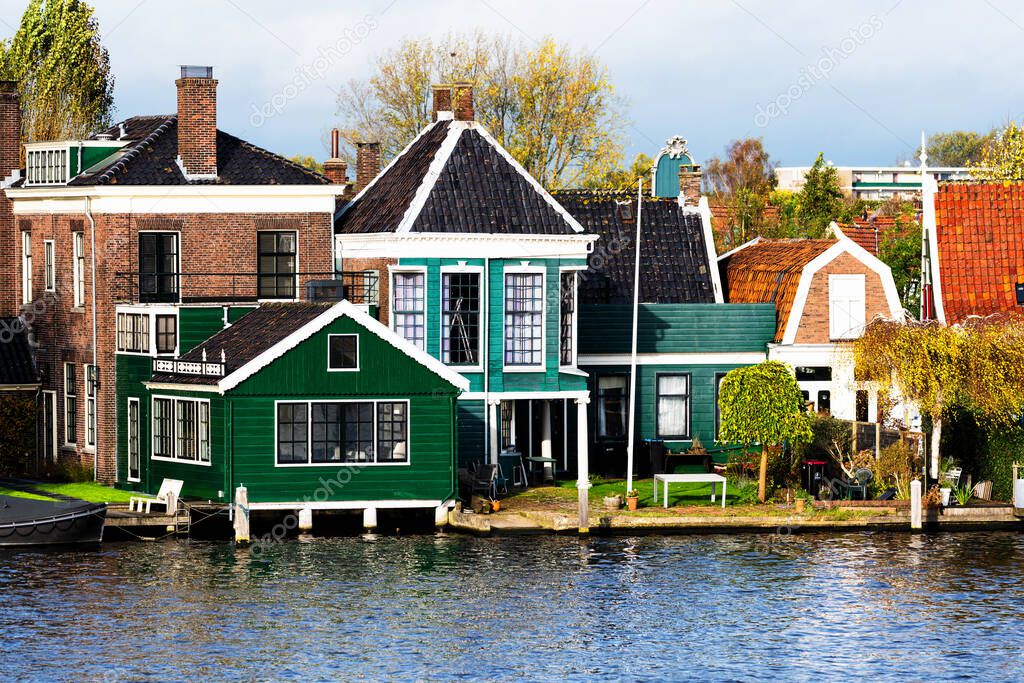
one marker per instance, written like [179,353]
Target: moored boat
[26,522]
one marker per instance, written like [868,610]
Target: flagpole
[632,354]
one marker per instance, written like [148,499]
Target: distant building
[873,182]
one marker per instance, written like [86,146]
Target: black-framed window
[328,445]
[567,310]
[612,406]
[1019,290]
[719,376]
[673,406]
[70,404]
[460,318]
[343,352]
[163,428]
[813,374]
[158,266]
[392,431]
[292,436]
[134,453]
[277,255]
[358,419]
[188,438]
[825,402]
[524,319]
[166,333]
[342,432]
[409,294]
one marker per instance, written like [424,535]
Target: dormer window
[46,166]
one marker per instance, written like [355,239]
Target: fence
[872,436]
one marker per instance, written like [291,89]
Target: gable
[813,326]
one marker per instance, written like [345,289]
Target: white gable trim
[844,245]
[742,246]
[444,153]
[929,224]
[704,208]
[341,309]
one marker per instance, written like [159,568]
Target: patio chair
[953,476]
[170,490]
[485,481]
[861,478]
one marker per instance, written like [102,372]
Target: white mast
[632,354]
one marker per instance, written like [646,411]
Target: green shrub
[17,434]
[985,453]
[896,467]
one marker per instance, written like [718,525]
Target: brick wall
[197,124]
[813,328]
[208,243]
[381,266]
[10,159]
[367,163]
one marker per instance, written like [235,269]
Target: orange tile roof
[768,271]
[864,235]
[980,231]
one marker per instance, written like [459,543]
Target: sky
[856,81]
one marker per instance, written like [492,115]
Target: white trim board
[929,188]
[463,246]
[351,504]
[699,358]
[704,209]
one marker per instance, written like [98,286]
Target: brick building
[110,238]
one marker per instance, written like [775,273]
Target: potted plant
[612,502]
[945,488]
[800,502]
[632,498]
[963,494]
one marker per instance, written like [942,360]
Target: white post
[545,438]
[494,426]
[632,354]
[370,519]
[583,464]
[241,514]
[305,520]
[915,504]
[441,515]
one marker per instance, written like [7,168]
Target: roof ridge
[276,157]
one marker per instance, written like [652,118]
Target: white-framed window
[46,166]
[50,268]
[26,267]
[847,306]
[134,454]
[133,332]
[567,318]
[341,432]
[408,310]
[673,406]
[460,317]
[90,378]
[166,333]
[612,406]
[524,319]
[78,268]
[181,429]
[342,352]
[146,331]
[70,405]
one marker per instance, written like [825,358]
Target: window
[133,440]
[276,260]
[567,323]
[26,267]
[336,432]
[862,405]
[719,376]
[70,405]
[612,396]
[673,397]
[409,297]
[78,268]
[158,267]
[181,429]
[814,374]
[1020,293]
[91,381]
[49,269]
[524,319]
[460,318]
[343,352]
[846,306]
[825,402]
[46,166]
[166,333]
[133,332]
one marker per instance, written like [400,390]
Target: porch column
[545,439]
[583,464]
[494,426]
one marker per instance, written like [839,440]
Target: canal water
[752,608]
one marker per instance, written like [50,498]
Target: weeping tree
[976,366]
[762,404]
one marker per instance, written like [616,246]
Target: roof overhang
[463,245]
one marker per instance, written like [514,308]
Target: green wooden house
[309,405]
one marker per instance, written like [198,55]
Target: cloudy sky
[858,82]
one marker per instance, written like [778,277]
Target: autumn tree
[762,404]
[624,178]
[554,109]
[310,162]
[743,180]
[63,71]
[956,147]
[1003,159]
[976,366]
[820,200]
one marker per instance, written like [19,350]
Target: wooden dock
[162,524]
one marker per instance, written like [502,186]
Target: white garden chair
[167,496]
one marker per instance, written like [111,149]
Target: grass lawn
[21,494]
[90,491]
[679,495]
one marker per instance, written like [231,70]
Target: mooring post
[305,520]
[915,504]
[441,516]
[241,509]
[370,520]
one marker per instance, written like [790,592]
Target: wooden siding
[472,431]
[197,324]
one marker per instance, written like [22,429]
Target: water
[805,607]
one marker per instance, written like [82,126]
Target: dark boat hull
[63,525]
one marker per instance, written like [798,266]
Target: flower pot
[945,496]
[631,503]
[798,504]
[495,505]
[612,502]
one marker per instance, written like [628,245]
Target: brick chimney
[197,121]
[367,163]
[442,101]
[463,101]
[689,185]
[10,159]
[335,168]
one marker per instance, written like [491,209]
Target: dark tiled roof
[151,159]
[768,271]
[476,190]
[673,255]
[16,365]
[248,337]
[980,232]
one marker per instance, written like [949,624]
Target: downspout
[95,411]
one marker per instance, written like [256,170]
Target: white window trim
[295,286]
[174,429]
[78,268]
[479,270]
[64,379]
[838,292]
[49,266]
[689,406]
[542,367]
[392,271]
[138,438]
[26,267]
[89,445]
[358,349]
[575,317]
[152,311]
[309,433]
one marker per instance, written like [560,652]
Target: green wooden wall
[472,431]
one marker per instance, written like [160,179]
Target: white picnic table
[713,479]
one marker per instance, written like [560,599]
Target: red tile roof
[768,271]
[980,233]
[864,235]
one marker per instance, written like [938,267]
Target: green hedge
[984,452]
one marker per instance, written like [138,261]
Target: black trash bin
[653,460]
[814,476]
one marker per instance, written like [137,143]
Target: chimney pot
[367,163]
[335,168]
[463,101]
[441,96]
[197,121]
